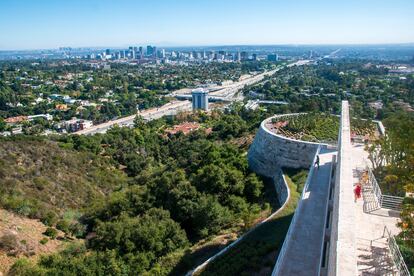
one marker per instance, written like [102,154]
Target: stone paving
[303,253]
[342,255]
[372,250]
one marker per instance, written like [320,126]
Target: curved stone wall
[270,152]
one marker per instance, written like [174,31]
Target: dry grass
[28,233]
[38,175]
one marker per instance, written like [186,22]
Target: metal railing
[383,201]
[395,253]
[375,187]
[323,264]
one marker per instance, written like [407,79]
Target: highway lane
[228,92]
[170,108]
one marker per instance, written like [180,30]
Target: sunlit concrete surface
[303,252]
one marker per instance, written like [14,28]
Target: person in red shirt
[357,191]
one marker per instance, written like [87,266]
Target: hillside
[39,179]
[21,237]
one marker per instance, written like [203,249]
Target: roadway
[227,93]
[170,108]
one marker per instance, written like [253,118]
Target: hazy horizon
[171,46]
[49,24]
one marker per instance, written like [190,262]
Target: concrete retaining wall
[270,151]
[281,187]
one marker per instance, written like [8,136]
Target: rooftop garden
[319,127]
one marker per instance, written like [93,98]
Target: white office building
[200,99]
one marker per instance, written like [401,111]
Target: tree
[139,122]
[252,187]
[210,217]
[153,234]
[2,125]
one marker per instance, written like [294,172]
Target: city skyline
[50,24]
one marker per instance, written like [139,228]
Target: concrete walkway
[372,250]
[303,253]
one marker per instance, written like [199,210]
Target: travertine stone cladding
[281,187]
[270,152]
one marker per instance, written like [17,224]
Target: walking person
[317,161]
[357,192]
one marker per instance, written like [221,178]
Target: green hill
[40,179]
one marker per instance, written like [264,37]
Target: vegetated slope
[257,253]
[21,236]
[182,189]
[41,180]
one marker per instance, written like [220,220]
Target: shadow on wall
[270,152]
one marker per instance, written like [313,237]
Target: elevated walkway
[358,245]
[302,253]
[331,234]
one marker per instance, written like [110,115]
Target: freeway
[227,92]
[170,108]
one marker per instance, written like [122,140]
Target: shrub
[9,242]
[63,225]
[78,230]
[49,218]
[51,232]
[44,241]
[40,183]
[24,267]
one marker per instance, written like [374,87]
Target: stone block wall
[270,152]
[281,187]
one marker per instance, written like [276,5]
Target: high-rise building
[272,57]
[200,99]
[141,53]
[244,56]
[254,57]
[154,51]
[162,53]
[238,56]
[107,52]
[149,50]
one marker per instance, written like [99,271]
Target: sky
[45,24]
